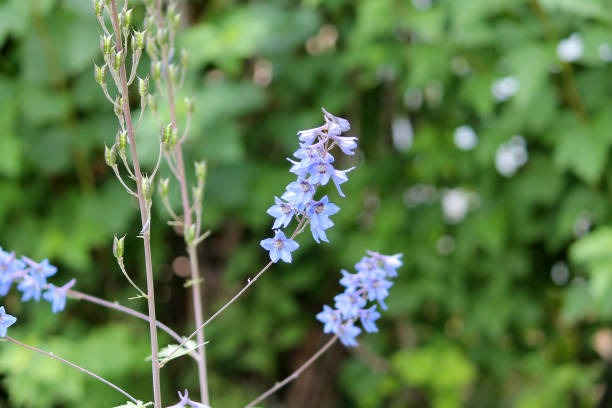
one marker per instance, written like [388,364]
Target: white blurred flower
[413,98]
[465,138]
[571,48]
[511,155]
[605,52]
[402,133]
[504,88]
[455,205]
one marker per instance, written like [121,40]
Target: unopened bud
[110,155]
[197,194]
[163,37]
[118,60]
[143,87]
[147,187]
[200,170]
[173,70]
[189,105]
[128,18]
[157,68]
[176,20]
[139,39]
[118,246]
[152,103]
[100,74]
[106,44]
[98,7]
[166,135]
[118,106]
[164,185]
[122,140]
[190,233]
[184,58]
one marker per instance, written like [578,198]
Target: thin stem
[122,267]
[81,369]
[129,190]
[143,214]
[232,300]
[124,309]
[180,173]
[293,375]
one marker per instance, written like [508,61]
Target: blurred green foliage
[506,305]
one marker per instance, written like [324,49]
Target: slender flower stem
[123,88]
[196,288]
[116,306]
[293,375]
[250,281]
[83,370]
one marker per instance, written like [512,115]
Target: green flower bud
[190,233]
[152,102]
[200,170]
[147,187]
[176,21]
[184,58]
[143,87]
[118,246]
[164,185]
[122,140]
[166,135]
[140,40]
[197,194]
[173,70]
[128,18]
[118,60]
[110,155]
[100,74]
[106,44]
[189,105]
[118,106]
[98,7]
[157,67]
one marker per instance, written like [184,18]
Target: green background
[475,318]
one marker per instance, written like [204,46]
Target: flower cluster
[370,283]
[313,169]
[31,278]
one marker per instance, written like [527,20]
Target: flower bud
[173,71]
[190,233]
[110,155]
[197,194]
[98,7]
[200,170]
[164,185]
[152,103]
[166,135]
[143,87]
[128,18]
[118,59]
[157,68]
[100,74]
[163,37]
[147,187]
[106,44]
[176,20]
[122,140]
[184,58]
[139,37]
[118,246]
[118,106]
[189,105]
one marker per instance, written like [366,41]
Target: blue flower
[299,192]
[346,144]
[41,271]
[368,318]
[331,318]
[8,264]
[389,263]
[349,303]
[347,333]
[308,136]
[344,124]
[6,320]
[280,247]
[31,288]
[186,402]
[319,212]
[283,213]
[57,296]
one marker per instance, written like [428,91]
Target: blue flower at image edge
[6,320]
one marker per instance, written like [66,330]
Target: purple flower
[368,318]
[42,270]
[349,303]
[390,263]
[339,177]
[344,124]
[31,288]
[185,401]
[319,212]
[283,213]
[6,320]
[331,319]
[57,296]
[299,192]
[280,247]
[308,136]
[346,144]
[347,333]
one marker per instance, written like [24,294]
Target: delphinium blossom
[186,402]
[6,320]
[313,168]
[31,279]
[370,283]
